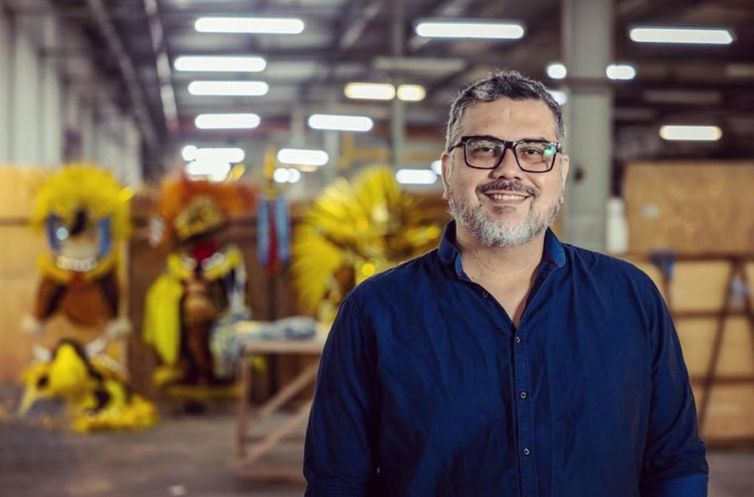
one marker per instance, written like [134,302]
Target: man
[504,363]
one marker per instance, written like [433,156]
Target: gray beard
[501,233]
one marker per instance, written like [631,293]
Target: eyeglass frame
[507,144]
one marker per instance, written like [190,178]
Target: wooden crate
[690,207]
[697,297]
[17,188]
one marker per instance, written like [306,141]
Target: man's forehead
[525,114]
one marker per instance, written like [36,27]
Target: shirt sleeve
[674,458]
[340,450]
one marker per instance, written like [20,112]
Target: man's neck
[507,273]
[509,263]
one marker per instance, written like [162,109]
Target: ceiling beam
[128,72]
[162,63]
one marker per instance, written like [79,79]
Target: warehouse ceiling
[137,42]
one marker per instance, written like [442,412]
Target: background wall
[55,106]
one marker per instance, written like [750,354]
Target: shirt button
[517,339]
[523,395]
[527,452]
[484,294]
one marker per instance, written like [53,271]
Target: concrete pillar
[6,84]
[588,49]
[71,147]
[332,147]
[87,129]
[132,167]
[24,104]
[51,118]
[398,111]
[50,109]
[106,153]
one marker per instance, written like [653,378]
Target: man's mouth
[504,196]
[505,191]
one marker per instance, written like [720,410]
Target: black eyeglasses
[487,152]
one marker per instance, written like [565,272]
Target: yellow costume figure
[96,396]
[85,214]
[190,308]
[355,230]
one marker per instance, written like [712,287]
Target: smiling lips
[507,196]
[504,191]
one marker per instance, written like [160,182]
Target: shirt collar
[553,254]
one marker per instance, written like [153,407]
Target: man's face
[505,206]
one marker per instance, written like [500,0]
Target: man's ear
[445,170]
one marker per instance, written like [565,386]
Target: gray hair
[500,84]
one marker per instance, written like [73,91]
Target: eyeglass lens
[531,156]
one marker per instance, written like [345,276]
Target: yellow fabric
[232,260]
[69,376]
[162,324]
[162,327]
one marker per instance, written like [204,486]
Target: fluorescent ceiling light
[470,29]
[370,91]
[340,122]
[227,121]
[219,64]
[436,166]
[416,177]
[620,71]
[411,93]
[384,91]
[557,70]
[302,156]
[229,88]
[214,170]
[189,152]
[286,175]
[691,133]
[560,96]
[232,155]
[739,70]
[703,36]
[259,25]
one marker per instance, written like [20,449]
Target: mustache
[507,185]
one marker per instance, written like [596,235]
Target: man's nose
[508,167]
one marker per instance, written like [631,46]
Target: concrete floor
[193,456]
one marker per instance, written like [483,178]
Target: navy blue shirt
[426,388]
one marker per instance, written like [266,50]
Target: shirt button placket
[524,418]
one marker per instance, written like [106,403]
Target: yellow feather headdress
[88,187]
[354,230]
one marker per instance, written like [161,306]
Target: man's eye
[483,147]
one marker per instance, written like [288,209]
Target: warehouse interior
[288,113]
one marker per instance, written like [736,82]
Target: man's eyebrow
[527,138]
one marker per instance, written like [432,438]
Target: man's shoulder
[601,265]
[406,276]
